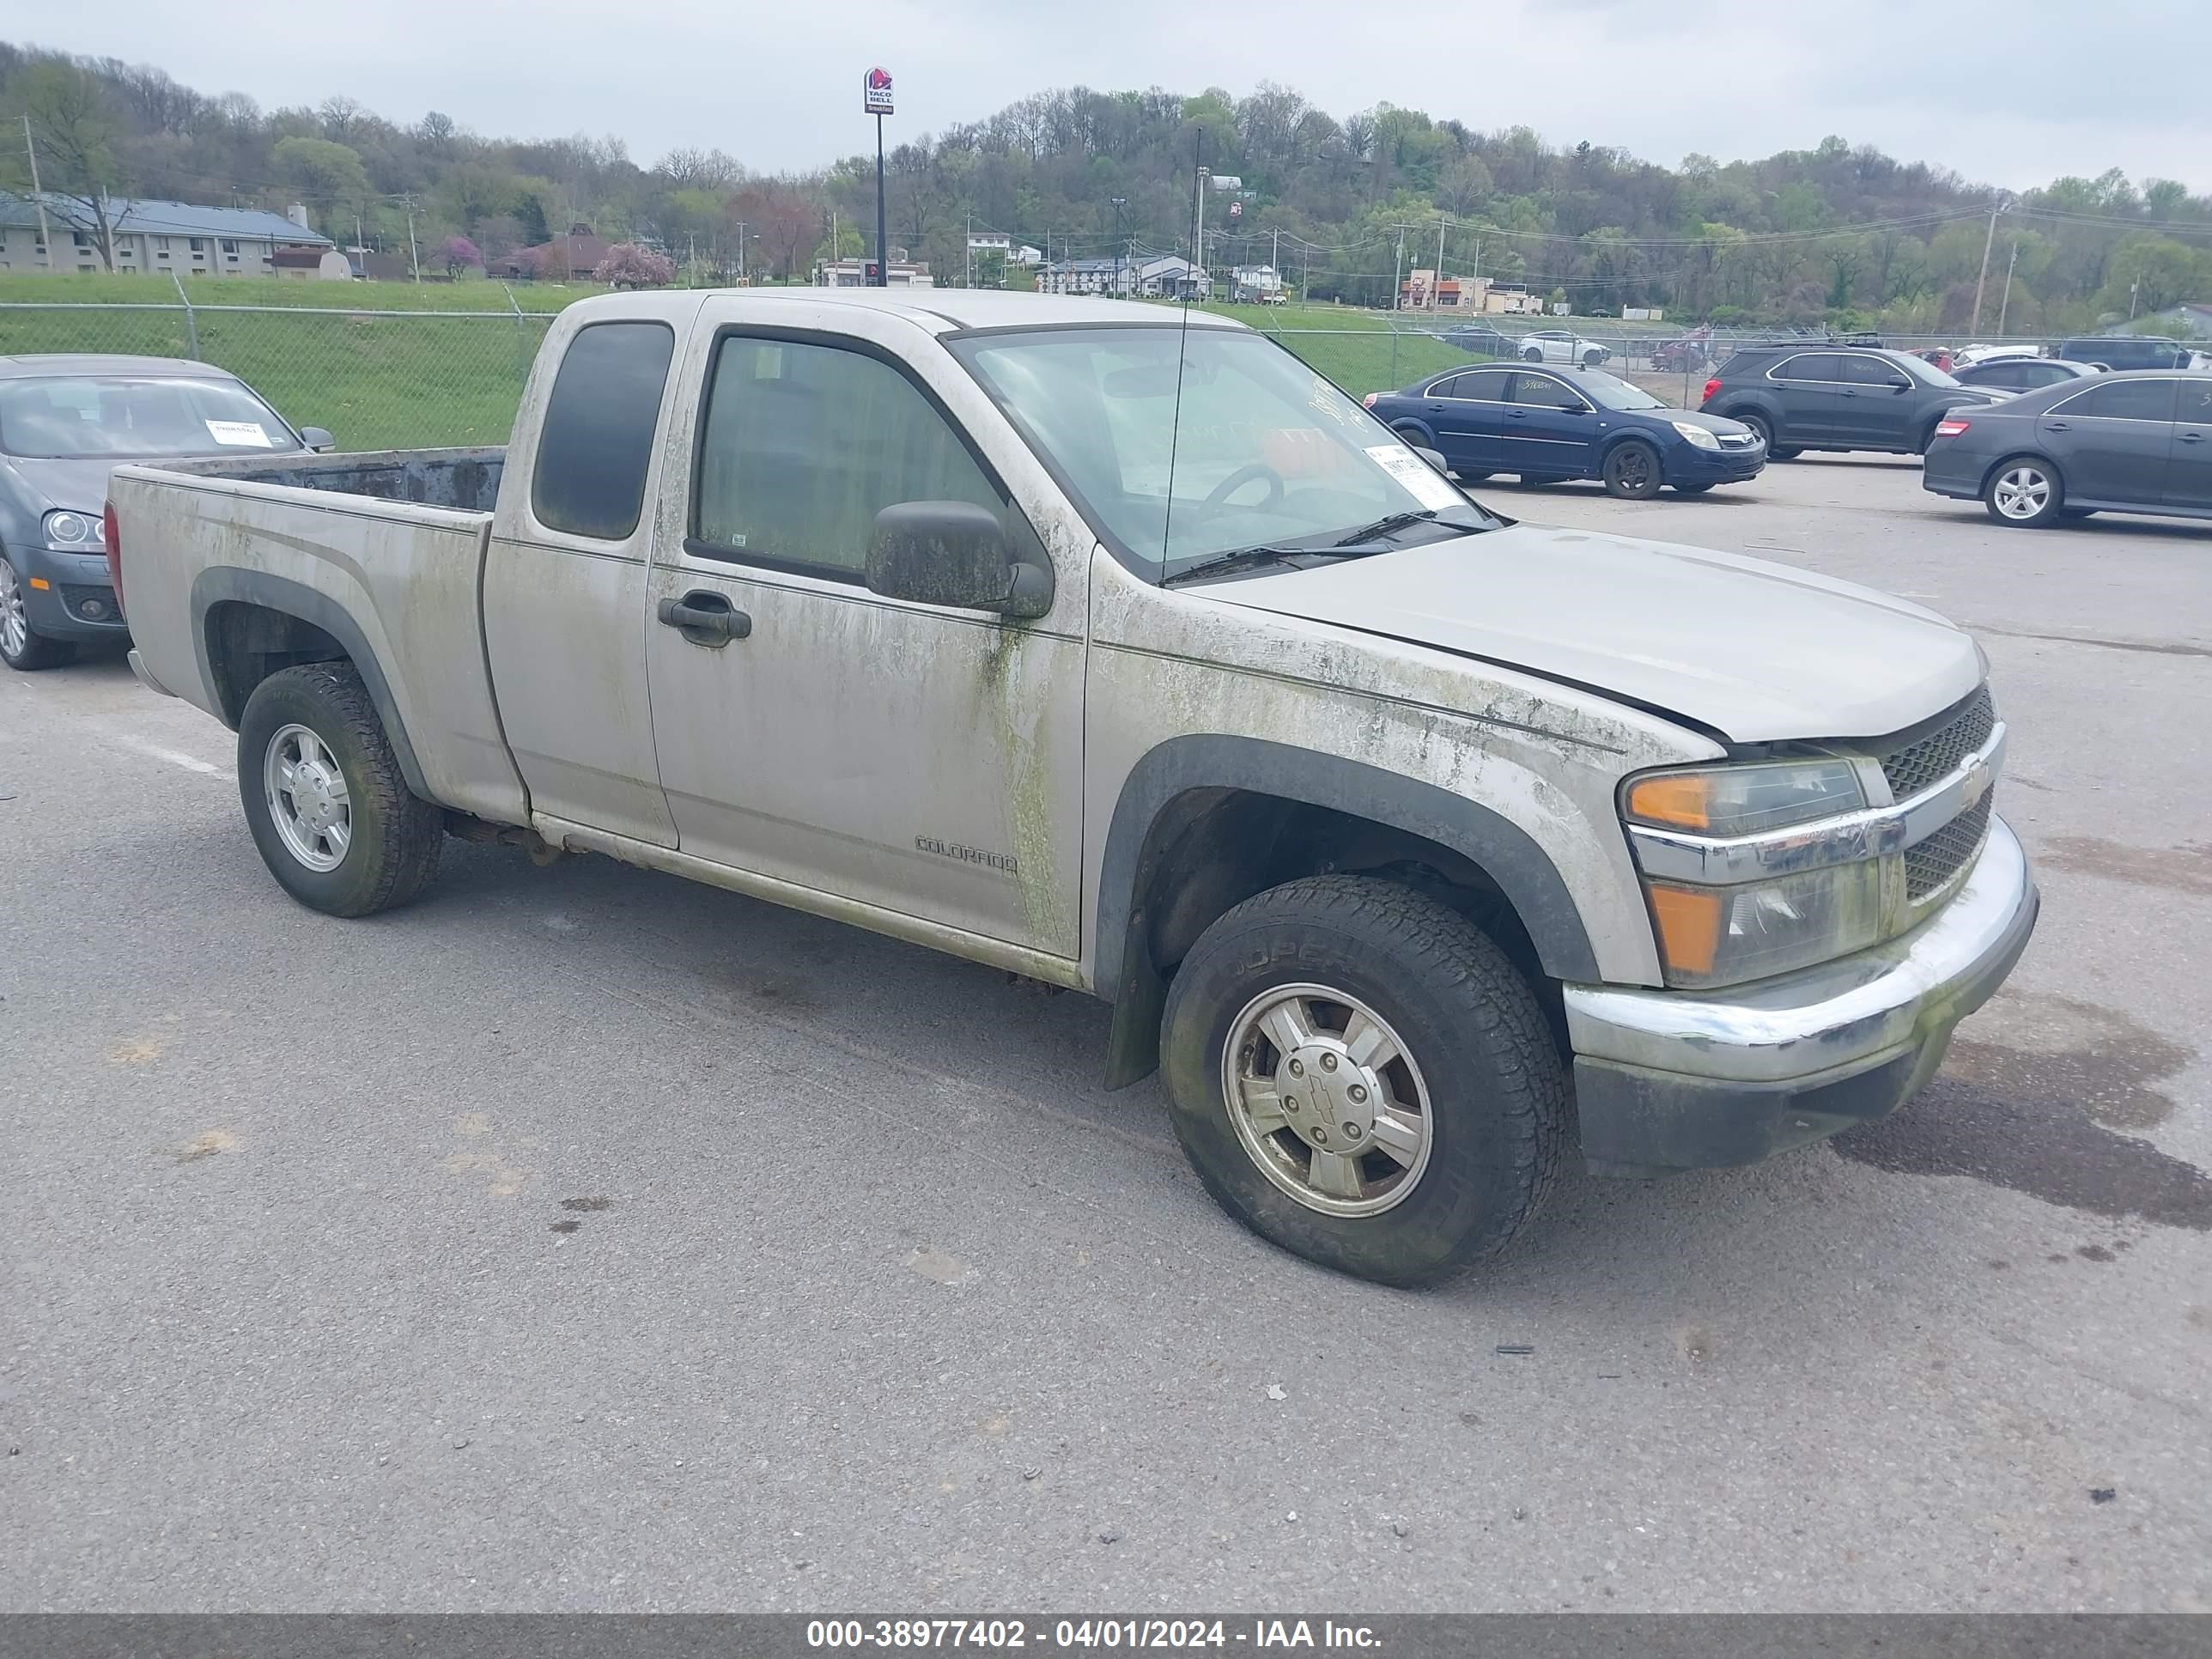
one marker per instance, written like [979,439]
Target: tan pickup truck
[1123,651]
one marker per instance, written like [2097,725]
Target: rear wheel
[1359,1074]
[1784,452]
[324,797]
[2025,492]
[1633,470]
[1760,426]
[1533,355]
[20,647]
[1592,359]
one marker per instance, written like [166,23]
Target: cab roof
[939,310]
[40,364]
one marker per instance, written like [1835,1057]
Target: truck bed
[381,554]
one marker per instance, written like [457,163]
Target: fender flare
[225,585]
[1428,433]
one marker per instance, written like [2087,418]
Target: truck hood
[1757,652]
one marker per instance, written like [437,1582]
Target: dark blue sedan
[1545,424]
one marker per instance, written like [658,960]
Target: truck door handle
[705,617]
[2056,426]
[2193,437]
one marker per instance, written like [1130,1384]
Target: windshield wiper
[1223,563]
[1398,521]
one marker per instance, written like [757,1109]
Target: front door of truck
[919,758]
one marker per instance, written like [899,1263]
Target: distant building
[1260,285]
[991,241]
[1422,290]
[155,238]
[854,273]
[1087,277]
[570,258]
[2191,315]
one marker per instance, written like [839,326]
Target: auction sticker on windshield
[239,434]
[1430,488]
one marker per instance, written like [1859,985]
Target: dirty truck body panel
[671,638]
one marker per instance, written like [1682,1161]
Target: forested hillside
[1836,232]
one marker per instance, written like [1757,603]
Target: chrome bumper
[1675,1079]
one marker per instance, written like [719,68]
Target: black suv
[2126,351]
[1810,395]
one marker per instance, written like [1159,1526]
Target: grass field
[380,382]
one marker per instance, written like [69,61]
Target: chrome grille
[1929,863]
[1928,760]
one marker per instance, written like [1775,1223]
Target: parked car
[1481,340]
[1824,396]
[1684,356]
[1545,424]
[2112,351]
[1406,840]
[2139,441]
[1558,345]
[2020,372]
[65,420]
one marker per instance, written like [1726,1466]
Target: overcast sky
[2009,92]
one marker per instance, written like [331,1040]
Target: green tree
[74,131]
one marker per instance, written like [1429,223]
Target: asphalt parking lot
[579,1238]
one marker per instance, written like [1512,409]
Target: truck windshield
[73,418]
[1254,449]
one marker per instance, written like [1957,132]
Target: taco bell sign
[876,92]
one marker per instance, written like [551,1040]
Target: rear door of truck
[565,576]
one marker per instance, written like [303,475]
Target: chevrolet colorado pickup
[1123,651]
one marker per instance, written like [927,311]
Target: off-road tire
[396,836]
[1496,1084]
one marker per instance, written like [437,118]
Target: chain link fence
[377,379]
[417,379]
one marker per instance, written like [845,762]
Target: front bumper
[76,601]
[1667,1080]
[1688,464]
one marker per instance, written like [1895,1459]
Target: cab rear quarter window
[596,441]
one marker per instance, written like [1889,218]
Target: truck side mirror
[953,553]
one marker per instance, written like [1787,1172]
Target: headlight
[1711,936]
[1699,437]
[73,530]
[1717,917]
[1742,801]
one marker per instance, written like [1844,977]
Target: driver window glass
[805,444]
[1542,391]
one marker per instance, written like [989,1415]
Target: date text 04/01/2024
[1108,1634]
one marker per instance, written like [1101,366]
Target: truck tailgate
[398,585]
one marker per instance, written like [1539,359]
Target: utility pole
[2135,289]
[1398,271]
[971,283]
[2004,307]
[1988,242]
[414,252]
[741,251]
[1119,202]
[1436,287]
[31,150]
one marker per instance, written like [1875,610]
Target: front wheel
[2025,492]
[21,647]
[1632,472]
[1592,359]
[1359,1075]
[324,797]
